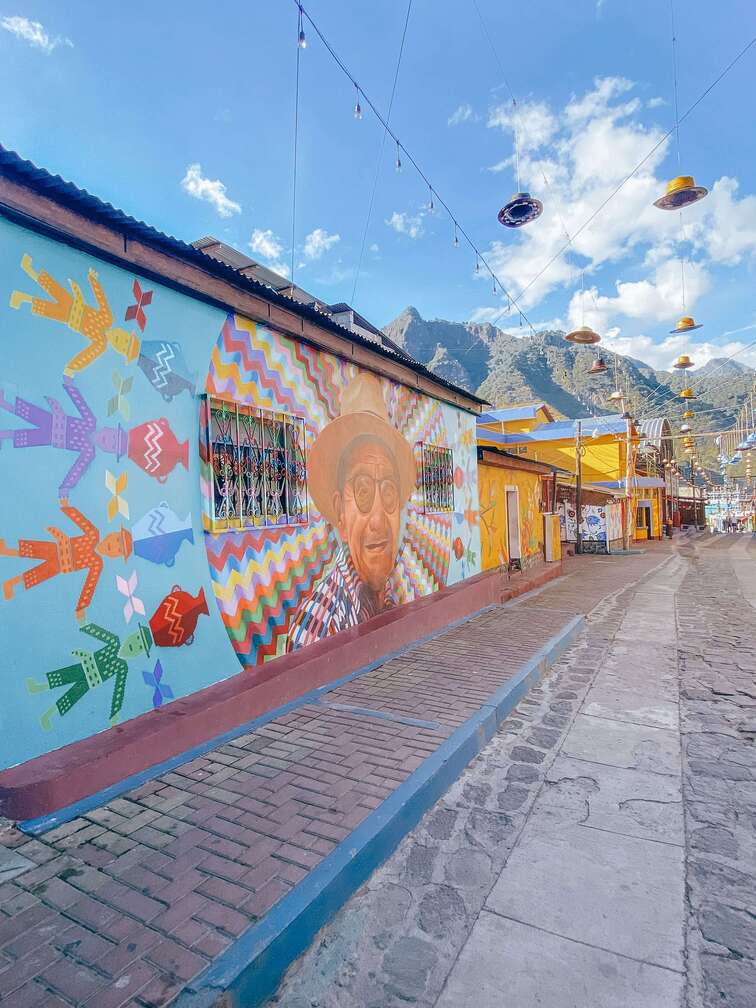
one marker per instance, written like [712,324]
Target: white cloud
[34,33]
[656,300]
[318,242]
[269,247]
[655,102]
[461,114]
[534,121]
[212,191]
[406,223]
[661,355]
[375,247]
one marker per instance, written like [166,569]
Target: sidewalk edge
[249,971]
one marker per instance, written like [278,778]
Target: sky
[183,116]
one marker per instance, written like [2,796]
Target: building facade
[204,476]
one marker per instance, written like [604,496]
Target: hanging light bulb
[398,158]
[431,204]
[477,265]
[684,428]
[494,285]
[357,106]
[301,40]
[456,237]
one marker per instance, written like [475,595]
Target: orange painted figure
[66,554]
[94,323]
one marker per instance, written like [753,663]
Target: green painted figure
[93,669]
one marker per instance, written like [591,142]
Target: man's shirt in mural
[341,600]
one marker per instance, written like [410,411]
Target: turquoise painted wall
[151,486]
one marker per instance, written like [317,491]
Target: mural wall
[108,606]
[492,485]
[370,541]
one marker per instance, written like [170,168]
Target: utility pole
[626,538]
[578,486]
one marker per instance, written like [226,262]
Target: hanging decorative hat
[687,393]
[681,192]
[615,396]
[584,336]
[683,361]
[684,428]
[688,414]
[598,366]
[627,415]
[521,209]
[686,324]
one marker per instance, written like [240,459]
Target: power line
[380,152]
[459,230]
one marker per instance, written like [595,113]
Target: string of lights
[458,230]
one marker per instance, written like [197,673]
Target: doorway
[513,528]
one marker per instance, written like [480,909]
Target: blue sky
[148,105]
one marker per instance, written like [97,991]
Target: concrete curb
[249,971]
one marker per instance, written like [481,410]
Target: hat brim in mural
[340,434]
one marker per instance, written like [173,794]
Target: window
[437,478]
[547,485]
[257,459]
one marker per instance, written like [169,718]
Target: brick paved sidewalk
[128,903]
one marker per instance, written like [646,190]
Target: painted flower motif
[127,588]
[458,548]
[117,486]
[162,691]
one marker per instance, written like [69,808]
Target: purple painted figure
[52,427]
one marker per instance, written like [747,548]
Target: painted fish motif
[158,535]
[155,448]
[174,621]
[164,366]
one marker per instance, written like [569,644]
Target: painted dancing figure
[66,554]
[92,669]
[94,323]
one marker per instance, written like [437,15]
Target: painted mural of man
[361,473]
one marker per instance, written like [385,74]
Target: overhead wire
[380,152]
[459,229]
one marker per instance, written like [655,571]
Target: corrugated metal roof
[512,413]
[561,430]
[23,172]
[654,431]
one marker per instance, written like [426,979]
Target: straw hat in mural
[363,414]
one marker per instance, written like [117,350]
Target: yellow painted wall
[493,482]
[603,461]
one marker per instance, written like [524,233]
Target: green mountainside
[507,369]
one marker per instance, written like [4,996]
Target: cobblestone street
[601,851]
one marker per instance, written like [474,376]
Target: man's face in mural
[368,508]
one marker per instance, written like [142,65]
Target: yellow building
[514,494]
[604,455]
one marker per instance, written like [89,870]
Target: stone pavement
[601,850]
[127,904]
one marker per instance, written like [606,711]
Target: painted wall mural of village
[110,567]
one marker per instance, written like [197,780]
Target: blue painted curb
[249,971]
[43,824]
